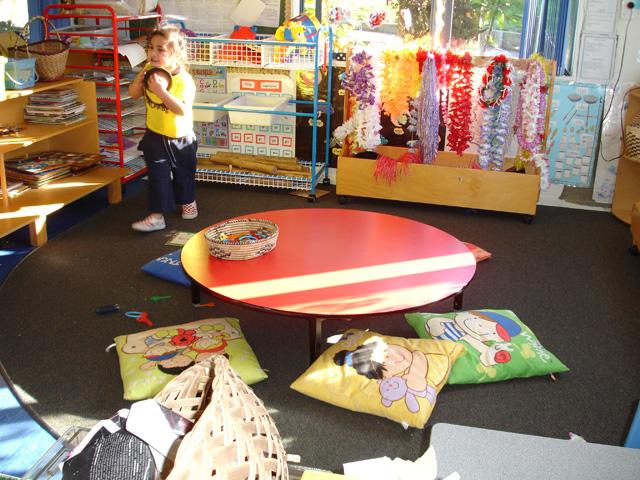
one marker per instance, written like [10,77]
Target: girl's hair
[176,42]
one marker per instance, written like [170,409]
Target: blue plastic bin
[20,73]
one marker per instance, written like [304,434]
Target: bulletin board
[211,79]
[576,114]
[275,140]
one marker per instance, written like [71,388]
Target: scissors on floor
[141,317]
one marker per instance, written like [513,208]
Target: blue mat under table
[22,439]
[633,437]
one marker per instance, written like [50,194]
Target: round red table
[337,262]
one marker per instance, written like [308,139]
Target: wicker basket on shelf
[50,54]
[234,439]
[188,393]
[241,239]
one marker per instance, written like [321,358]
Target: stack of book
[37,170]
[81,162]
[15,188]
[59,106]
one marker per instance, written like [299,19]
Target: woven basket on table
[234,439]
[241,239]
[50,54]
[188,393]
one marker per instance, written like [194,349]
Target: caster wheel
[326,181]
[342,199]
[527,219]
[633,250]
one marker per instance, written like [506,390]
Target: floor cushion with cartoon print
[168,267]
[152,358]
[391,377]
[497,345]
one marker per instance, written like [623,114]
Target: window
[14,11]
[516,28]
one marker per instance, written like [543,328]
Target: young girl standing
[169,143]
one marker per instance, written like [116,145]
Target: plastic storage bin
[209,100]
[20,73]
[255,102]
[47,467]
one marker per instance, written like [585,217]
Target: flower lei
[429,120]
[460,109]
[360,81]
[400,82]
[495,86]
[442,69]
[530,114]
[494,98]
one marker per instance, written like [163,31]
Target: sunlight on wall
[14,10]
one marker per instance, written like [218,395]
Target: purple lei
[359,80]
[534,76]
[429,120]
[493,135]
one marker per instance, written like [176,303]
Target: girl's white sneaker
[149,224]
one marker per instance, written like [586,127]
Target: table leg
[315,338]
[195,293]
[457,300]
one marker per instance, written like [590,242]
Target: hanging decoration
[460,108]
[494,96]
[359,79]
[400,82]
[429,120]
[541,161]
[375,19]
[362,84]
[530,114]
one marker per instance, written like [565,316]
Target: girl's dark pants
[171,164]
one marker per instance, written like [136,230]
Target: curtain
[36,7]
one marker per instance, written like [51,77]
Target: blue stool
[633,437]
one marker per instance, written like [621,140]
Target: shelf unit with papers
[268,54]
[97,54]
[627,186]
[32,207]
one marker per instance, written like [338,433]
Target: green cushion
[498,346]
[150,359]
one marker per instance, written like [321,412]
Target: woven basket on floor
[188,393]
[241,239]
[234,439]
[50,54]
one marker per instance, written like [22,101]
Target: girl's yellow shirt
[162,120]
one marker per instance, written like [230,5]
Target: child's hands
[158,84]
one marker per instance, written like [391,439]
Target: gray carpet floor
[568,276]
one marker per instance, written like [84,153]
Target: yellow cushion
[392,377]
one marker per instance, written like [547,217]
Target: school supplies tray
[209,100]
[253,103]
[241,239]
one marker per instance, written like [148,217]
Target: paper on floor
[383,468]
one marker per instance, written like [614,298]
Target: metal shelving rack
[115,122]
[266,53]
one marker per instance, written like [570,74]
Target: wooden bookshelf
[32,207]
